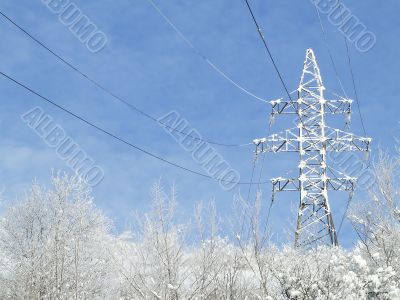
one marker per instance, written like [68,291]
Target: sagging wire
[200,54]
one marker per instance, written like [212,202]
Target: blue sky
[147,63]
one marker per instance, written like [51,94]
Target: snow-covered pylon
[312,139]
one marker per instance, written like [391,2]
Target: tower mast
[313,141]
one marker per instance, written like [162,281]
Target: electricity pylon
[313,140]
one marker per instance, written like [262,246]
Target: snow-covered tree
[152,262]
[54,244]
[377,219]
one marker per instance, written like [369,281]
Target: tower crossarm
[286,141]
[313,184]
[334,140]
[280,106]
[339,140]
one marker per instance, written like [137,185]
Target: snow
[274,102]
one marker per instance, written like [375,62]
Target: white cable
[209,62]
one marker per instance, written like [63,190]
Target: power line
[112,94]
[270,55]
[115,137]
[259,190]
[349,62]
[251,181]
[345,213]
[325,37]
[267,48]
[353,79]
[201,55]
[354,86]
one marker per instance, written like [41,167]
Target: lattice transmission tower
[313,140]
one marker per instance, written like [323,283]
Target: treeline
[55,244]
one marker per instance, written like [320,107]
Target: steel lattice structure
[312,139]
